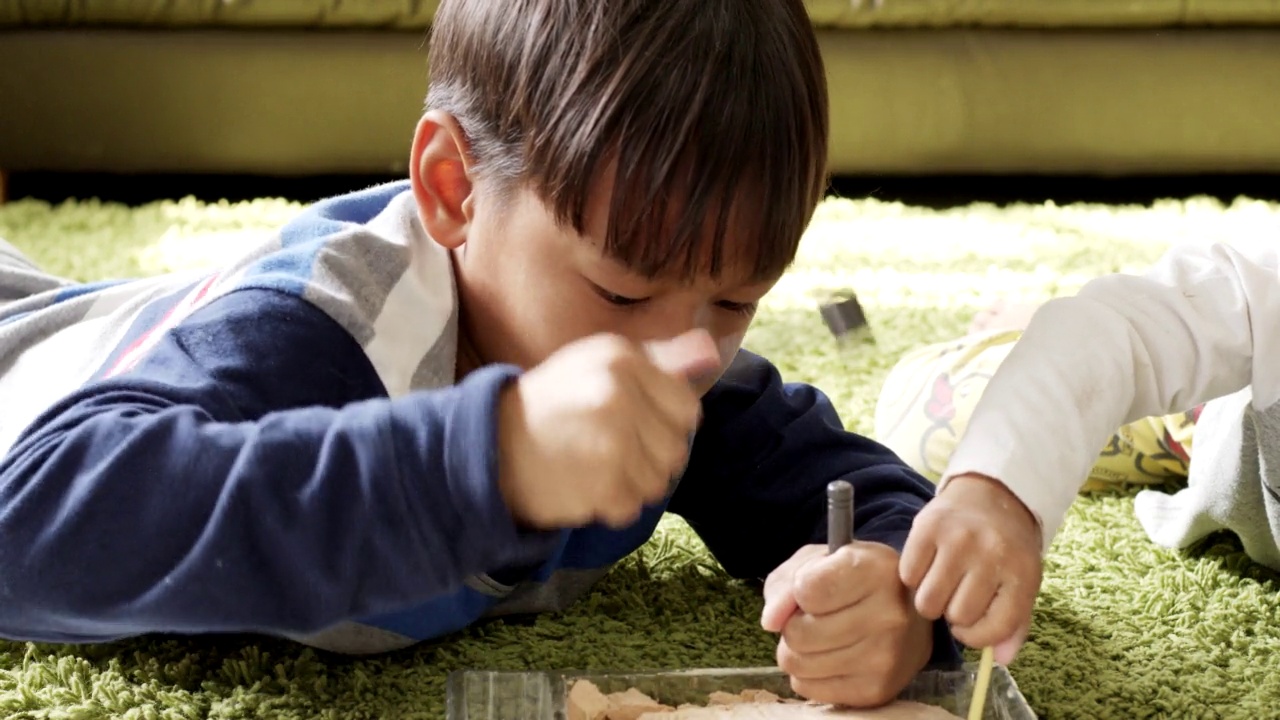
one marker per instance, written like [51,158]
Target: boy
[468,394]
[1196,329]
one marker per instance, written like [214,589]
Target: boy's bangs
[700,218]
[710,111]
[719,150]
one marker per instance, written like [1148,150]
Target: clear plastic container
[481,695]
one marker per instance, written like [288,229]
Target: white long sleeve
[1125,347]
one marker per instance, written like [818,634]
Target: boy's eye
[619,300]
[624,301]
[737,308]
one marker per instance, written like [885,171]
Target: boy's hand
[974,555]
[600,428]
[849,633]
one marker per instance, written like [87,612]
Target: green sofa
[918,86]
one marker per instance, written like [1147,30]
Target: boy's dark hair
[705,107]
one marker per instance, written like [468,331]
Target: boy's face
[528,285]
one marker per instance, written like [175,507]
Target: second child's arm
[1126,347]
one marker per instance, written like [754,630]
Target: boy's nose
[693,354]
[671,322]
[702,317]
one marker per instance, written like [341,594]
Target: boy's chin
[703,383]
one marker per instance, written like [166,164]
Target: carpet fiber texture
[1123,628]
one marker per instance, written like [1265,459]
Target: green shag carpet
[1123,629]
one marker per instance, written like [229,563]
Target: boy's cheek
[729,346]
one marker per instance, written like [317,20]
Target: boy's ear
[440,173]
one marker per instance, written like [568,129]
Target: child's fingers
[918,552]
[1008,615]
[845,578]
[1006,651]
[939,584]
[617,504]
[973,596]
[662,453]
[778,609]
[780,589]
[668,400]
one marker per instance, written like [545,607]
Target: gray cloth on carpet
[1233,483]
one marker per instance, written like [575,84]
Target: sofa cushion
[1043,13]
[415,15]
[171,14]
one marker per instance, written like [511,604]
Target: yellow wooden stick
[980,685]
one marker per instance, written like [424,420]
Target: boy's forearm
[1124,348]
[138,515]
[755,488]
[885,515]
